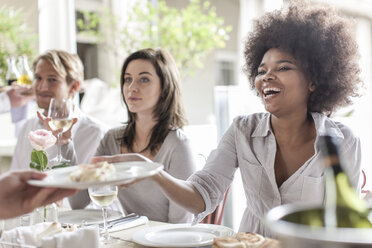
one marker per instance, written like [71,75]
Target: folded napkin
[128,224]
[30,235]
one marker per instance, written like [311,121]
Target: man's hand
[17,197]
[65,137]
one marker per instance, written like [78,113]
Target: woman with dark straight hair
[150,87]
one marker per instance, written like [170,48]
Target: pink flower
[41,139]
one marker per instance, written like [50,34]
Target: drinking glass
[61,116]
[104,196]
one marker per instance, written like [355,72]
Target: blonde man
[59,74]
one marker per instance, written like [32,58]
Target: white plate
[180,235]
[86,216]
[126,172]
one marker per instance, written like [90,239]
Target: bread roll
[251,240]
[227,242]
[240,240]
[93,172]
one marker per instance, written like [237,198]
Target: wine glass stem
[59,155]
[106,233]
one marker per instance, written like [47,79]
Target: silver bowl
[298,235]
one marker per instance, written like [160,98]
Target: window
[226,68]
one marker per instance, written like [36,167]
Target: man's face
[48,84]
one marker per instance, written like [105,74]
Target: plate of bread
[181,235]
[85,176]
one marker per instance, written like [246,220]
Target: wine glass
[104,196]
[61,116]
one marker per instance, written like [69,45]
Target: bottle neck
[332,160]
[12,72]
[337,169]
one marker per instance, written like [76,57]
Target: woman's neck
[293,130]
[144,126]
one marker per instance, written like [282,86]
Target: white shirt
[86,135]
[249,144]
[4,103]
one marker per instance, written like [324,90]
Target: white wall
[57,25]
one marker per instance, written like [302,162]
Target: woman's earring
[312,87]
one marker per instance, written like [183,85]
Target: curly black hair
[321,41]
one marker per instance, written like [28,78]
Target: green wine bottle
[343,207]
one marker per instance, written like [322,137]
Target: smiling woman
[302,61]
[282,83]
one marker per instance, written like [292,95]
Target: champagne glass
[61,116]
[104,196]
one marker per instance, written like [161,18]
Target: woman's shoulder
[177,135]
[115,132]
[251,121]
[256,117]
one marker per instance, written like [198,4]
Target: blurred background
[205,37]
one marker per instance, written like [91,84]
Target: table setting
[106,227]
[49,234]
[91,224]
[72,226]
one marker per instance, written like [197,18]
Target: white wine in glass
[104,196]
[60,113]
[56,124]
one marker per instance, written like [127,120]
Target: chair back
[364,182]
[216,216]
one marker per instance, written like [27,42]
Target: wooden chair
[216,216]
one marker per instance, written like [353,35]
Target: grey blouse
[145,197]
[249,144]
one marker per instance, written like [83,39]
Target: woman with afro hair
[303,63]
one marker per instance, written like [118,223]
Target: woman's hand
[65,137]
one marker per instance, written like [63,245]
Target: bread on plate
[101,171]
[240,240]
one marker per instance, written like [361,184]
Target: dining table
[124,237]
